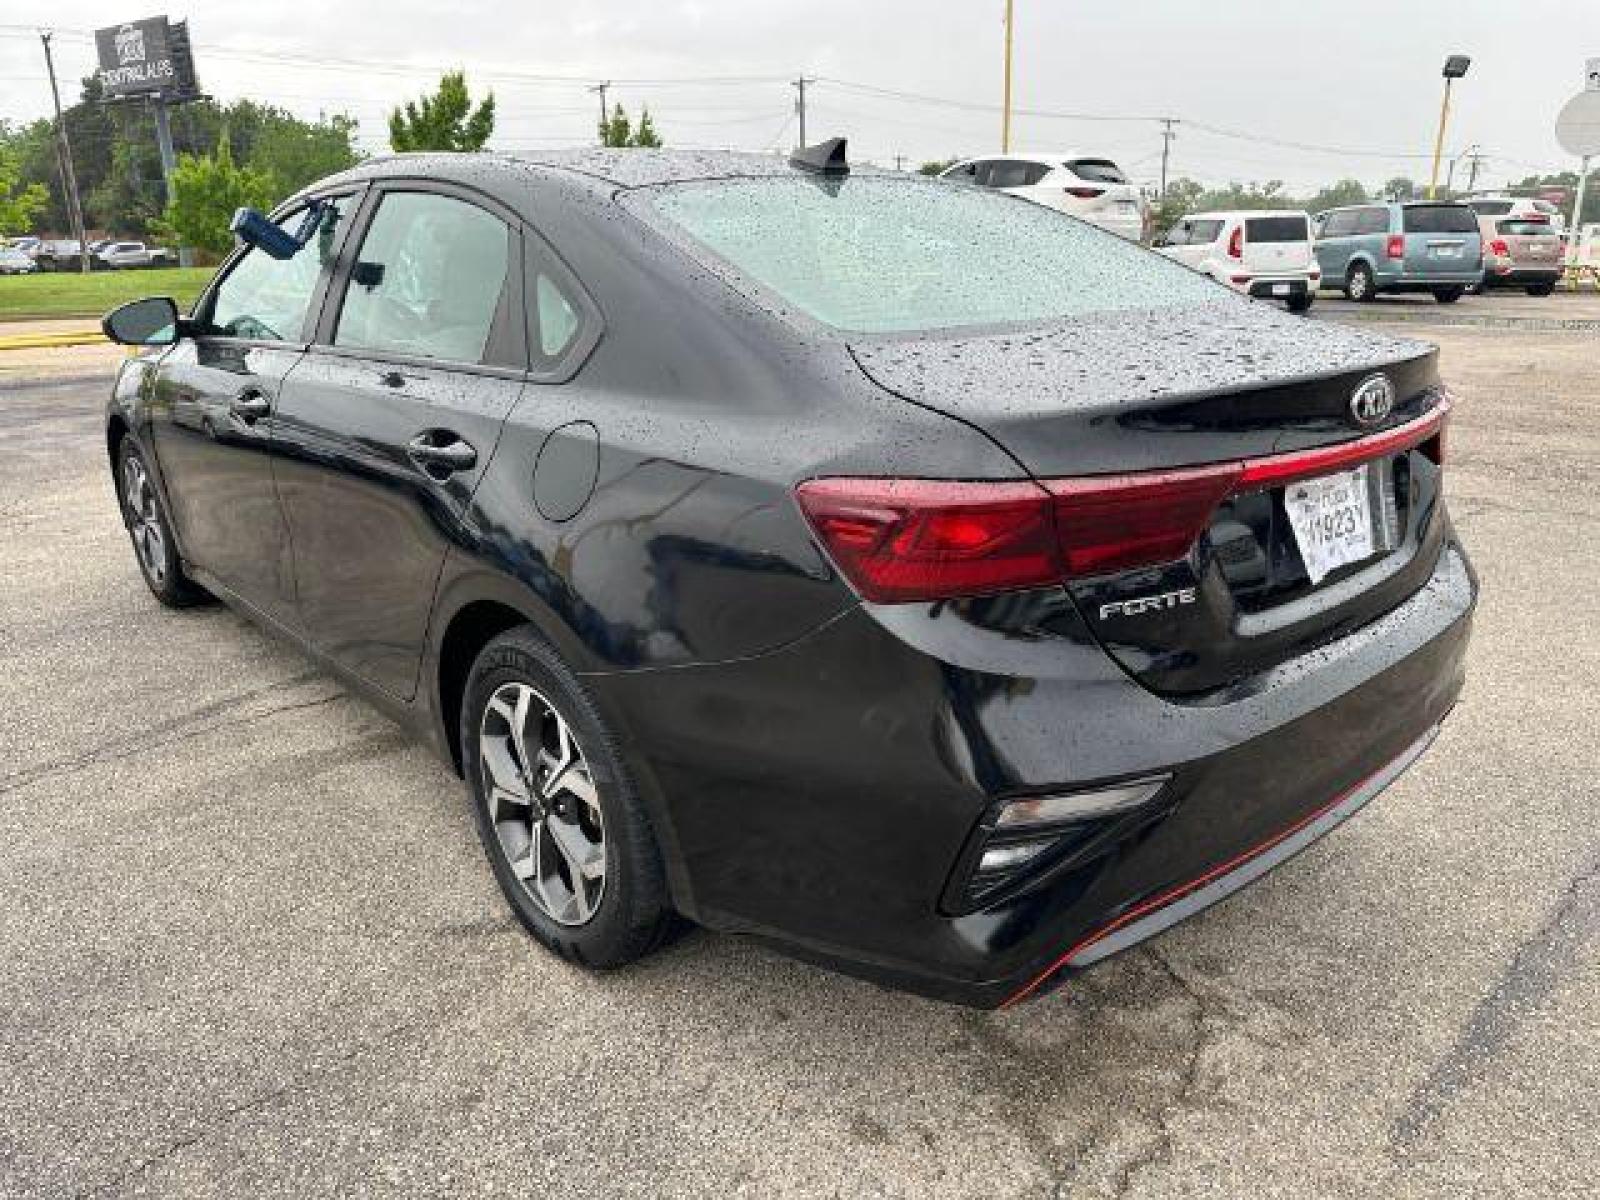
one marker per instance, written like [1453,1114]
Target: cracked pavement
[248,945]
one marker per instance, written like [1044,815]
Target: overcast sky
[1356,76]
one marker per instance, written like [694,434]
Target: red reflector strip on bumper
[1301,464]
[1165,909]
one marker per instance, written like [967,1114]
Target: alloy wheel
[144,521]
[542,803]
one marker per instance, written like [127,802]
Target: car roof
[629,168]
[1226,214]
[1048,160]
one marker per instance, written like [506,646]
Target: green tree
[1182,197]
[937,166]
[1346,191]
[206,190]
[295,153]
[1400,187]
[444,121]
[617,131]
[19,202]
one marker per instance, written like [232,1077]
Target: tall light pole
[1454,68]
[1005,110]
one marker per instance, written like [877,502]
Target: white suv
[1264,253]
[1092,189]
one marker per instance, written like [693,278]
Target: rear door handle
[441,452]
[251,405]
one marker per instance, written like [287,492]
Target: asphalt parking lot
[250,947]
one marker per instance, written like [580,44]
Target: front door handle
[441,452]
[251,405]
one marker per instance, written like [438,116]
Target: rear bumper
[822,797]
[1523,276]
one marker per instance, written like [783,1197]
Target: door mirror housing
[150,322]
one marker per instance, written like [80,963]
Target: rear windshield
[1097,170]
[1440,218]
[1521,228]
[884,255]
[1491,208]
[1275,229]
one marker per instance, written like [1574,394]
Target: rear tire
[1448,295]
[1359,284]
[1541,289]
[556,808]
[1300,304]
[145,517]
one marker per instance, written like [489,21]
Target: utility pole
[69,180]
[1166,149]
[1472,171]
[800,105]
[605,115]
[899,162]
[1005,104]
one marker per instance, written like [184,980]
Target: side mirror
[149,322]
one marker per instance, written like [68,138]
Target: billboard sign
[146,58]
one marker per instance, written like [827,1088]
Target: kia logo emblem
[1373,400]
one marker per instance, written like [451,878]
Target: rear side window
[1009,173]
[1276,229]
[1490,208]
[1097,170]
[1517,227]
[1439,218]
[266,299]
[1372,220]
[872,254]
[428,280]
[1339,224]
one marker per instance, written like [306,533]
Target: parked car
[125,256]
[1420,246]
[1091,188]
[1518,206]
[1524,252]
[1267,255]
[57,254]
[834,557]
[15,262]
[27,244]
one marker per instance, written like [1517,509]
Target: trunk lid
[1160,390]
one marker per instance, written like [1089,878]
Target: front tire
[1359,284]
[556,808]
[145,517]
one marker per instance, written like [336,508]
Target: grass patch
[65,294]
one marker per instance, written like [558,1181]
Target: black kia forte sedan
[917,578]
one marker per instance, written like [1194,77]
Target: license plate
[1281,289]
[1332,521]
[1446,251]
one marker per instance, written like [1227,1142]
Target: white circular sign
[1578,126]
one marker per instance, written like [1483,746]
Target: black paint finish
[815,766]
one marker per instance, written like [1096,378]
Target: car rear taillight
[928,539]
[1236,242]
[1110,523]
[1085,193]
[899,540]
[1397,246]
[1500,248]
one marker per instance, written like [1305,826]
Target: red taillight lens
[899,540]
[1236,242]
[1397,245]
[1114,522]
[1499,248]
[1085,193]
[928,539]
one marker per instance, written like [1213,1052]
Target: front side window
[874,254]
[1339,224]
[428,279]
[1206,232]
[267,299]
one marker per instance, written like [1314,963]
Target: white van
[1262,253]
